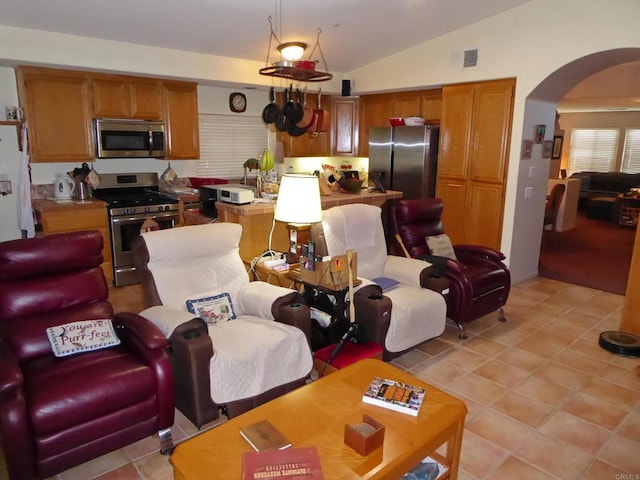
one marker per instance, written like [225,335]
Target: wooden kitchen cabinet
[53,217]
[472,160]
[375,111]
[405,104]
[431,106]
[125,97]
[311,144]
[181,119]
[60,106]
[344,126]
[57,107]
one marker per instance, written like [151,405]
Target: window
[631,155]
[593,150]
[227,141]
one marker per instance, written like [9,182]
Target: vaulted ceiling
[354,32]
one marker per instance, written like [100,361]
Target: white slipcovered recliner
[249,341]
[417,314]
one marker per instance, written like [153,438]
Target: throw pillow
[212,307]
[82,336]
[441,246]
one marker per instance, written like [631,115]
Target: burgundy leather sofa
[479,282]
[58,412]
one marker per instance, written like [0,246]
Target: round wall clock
[237,102]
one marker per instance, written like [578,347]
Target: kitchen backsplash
[310,164]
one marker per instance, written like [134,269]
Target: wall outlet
[5,187]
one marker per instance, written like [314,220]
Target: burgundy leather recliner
[58,412]
[479,282]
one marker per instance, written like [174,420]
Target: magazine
[385,283]
[397,396]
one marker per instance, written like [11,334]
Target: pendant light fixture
[291,66]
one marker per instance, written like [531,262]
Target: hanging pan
[271,111]
[295,131]
[293,108]
[281,120]
[308,115]
[322,116]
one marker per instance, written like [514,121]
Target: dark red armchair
[479,282]
[59,411]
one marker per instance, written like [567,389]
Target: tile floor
[545,401]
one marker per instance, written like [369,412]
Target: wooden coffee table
[317,413]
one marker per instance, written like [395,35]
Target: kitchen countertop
[50,204]
[327,201]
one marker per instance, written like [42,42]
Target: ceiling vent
[464,60]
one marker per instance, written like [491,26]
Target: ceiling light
[291,67]
[292,50]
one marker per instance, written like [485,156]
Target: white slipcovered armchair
[417,314]
[261,352]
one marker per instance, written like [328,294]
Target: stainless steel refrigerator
[405,159]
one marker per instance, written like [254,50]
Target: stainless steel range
[133,198]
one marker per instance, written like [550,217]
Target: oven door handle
[136,219]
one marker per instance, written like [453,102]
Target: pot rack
[291,72]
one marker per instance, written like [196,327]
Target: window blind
[631,155]
[593,150]
[227,141]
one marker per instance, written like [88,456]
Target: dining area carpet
[595,254]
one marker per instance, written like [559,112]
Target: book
[296,463]
[263,436]
[385,283]
[393,395]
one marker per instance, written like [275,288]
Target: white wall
[530,43]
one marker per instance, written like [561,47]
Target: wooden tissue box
[364,437]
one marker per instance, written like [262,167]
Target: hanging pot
[293,109]
[281,120]
[322,116]
[308,115]
[271,111]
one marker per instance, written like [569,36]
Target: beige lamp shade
[298,200]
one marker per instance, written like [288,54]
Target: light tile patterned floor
[545,401]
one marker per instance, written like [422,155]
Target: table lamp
[298,205]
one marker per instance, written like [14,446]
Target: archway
[540,108]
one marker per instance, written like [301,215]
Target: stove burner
[136,199]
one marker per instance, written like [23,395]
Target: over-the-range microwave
[123,138]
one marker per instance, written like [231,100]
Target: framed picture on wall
[547,147]
[557,147]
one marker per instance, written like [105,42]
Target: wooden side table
[317,296]
[629,210]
